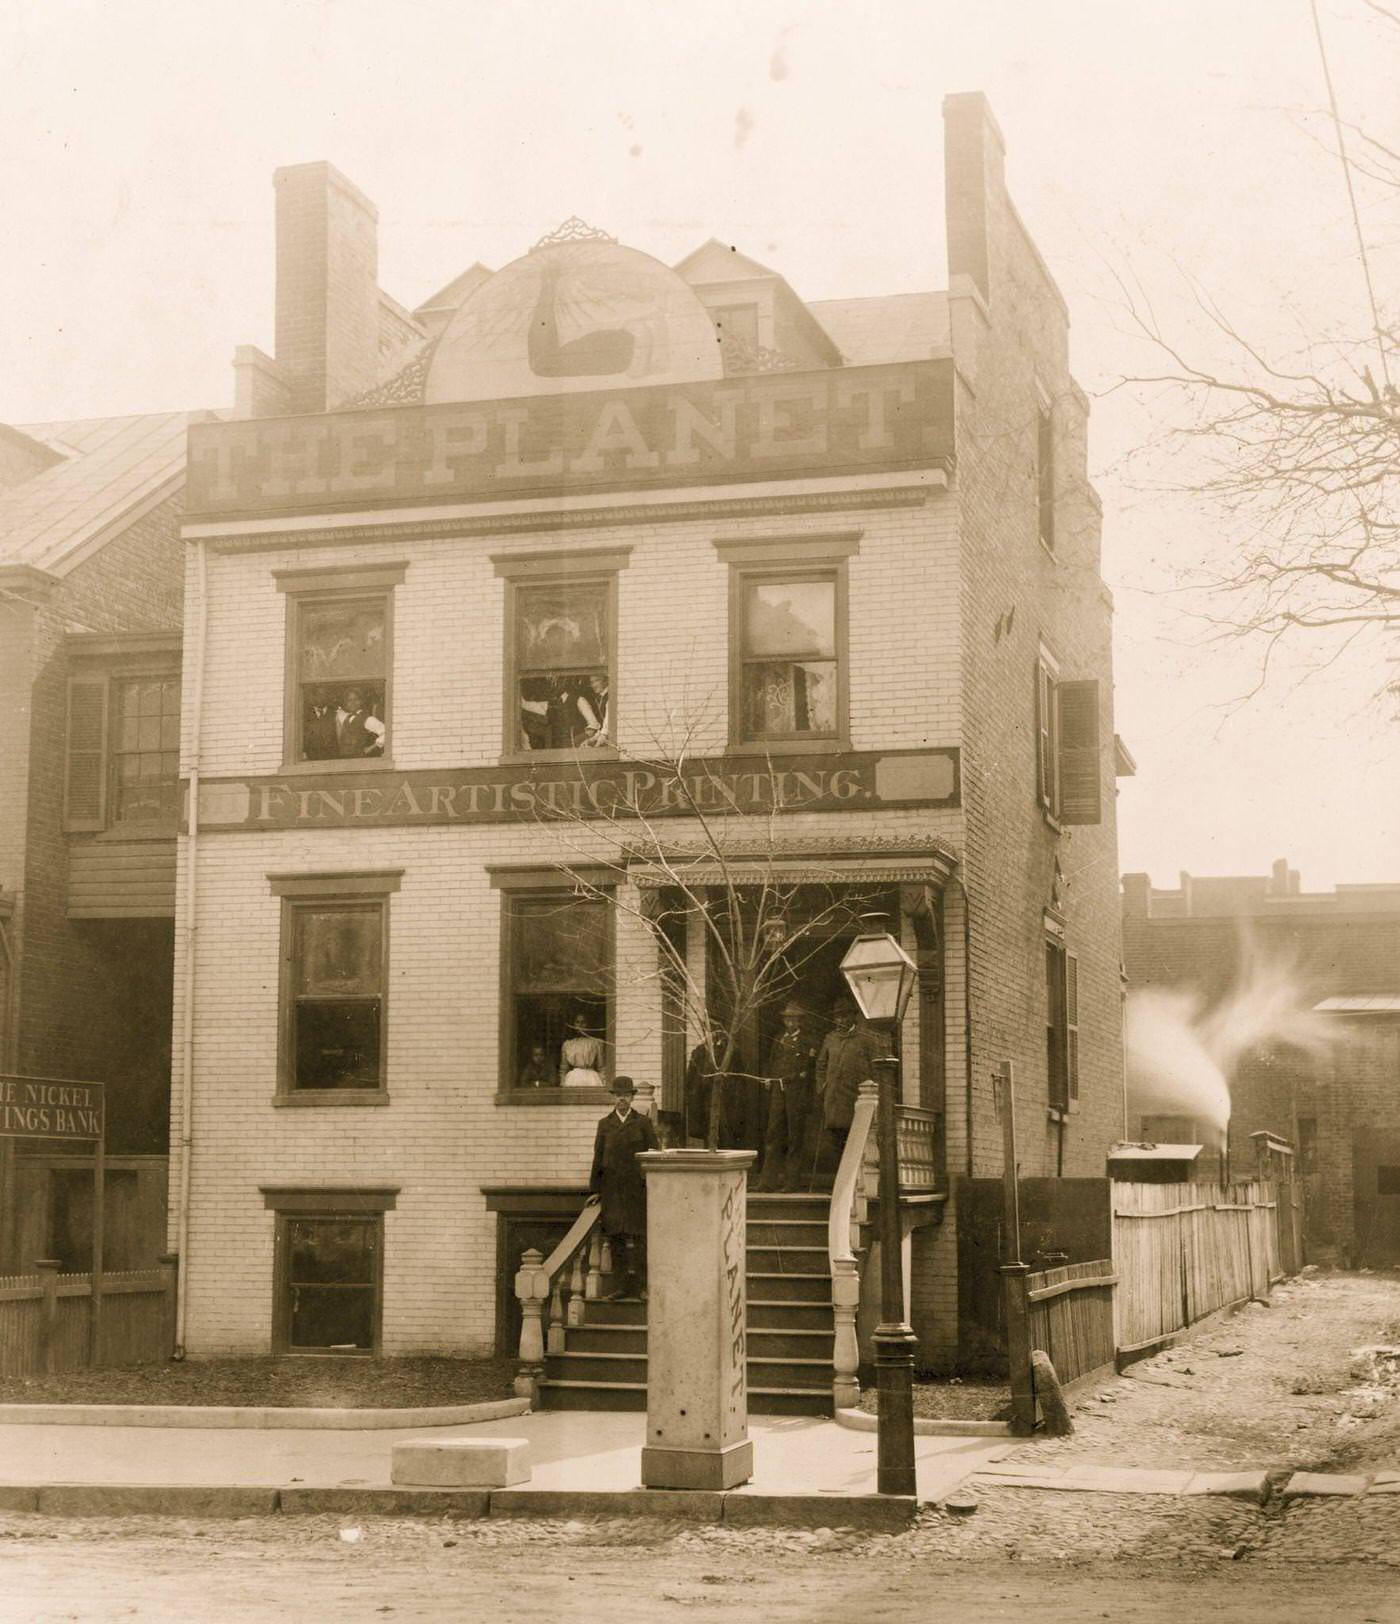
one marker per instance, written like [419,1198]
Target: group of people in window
[342,723]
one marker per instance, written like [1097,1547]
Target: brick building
[1337,1098]
[848,546]
[91,593]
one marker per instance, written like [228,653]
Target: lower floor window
[329,1282]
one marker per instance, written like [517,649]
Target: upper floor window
[146,751]
[1045,472]
[561,614]
[122,766]
[787,640]
[339,662]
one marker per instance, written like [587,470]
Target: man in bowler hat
[621,1186]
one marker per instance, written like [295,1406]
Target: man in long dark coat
[846,1060]
[621,1184]
[791,1062]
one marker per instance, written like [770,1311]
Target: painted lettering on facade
[733,1240]
[837,421]
[38,1108]
[849,782]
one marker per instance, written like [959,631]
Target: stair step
[767,1315]
[789,1401]
[767,1286]
[630,1311]
[572,1395]
[596,1367]
[799,1343]
[787,1260]
[606,1338]
[787,1232]
[786,1208]
[804,1375]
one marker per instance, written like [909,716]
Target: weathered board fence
[1182,1251]
[1070,1310]
[45,1320]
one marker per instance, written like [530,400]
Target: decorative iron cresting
[573,229]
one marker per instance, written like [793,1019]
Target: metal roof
[1155,1153]
[112,467]
[1376,1003]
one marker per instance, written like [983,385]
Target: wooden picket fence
[46,1320]
[1183,1251]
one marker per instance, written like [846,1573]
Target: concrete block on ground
[696,1505]
[1304,1484]
[155,1499]
[884,1513]
[1237,1485]
[461,1463]
[385,1502]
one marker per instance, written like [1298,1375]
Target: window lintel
[341,579]
[580,562]
[508,877]
[329,1199]
[366,883]
[788,552]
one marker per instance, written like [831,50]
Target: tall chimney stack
[974,176]
[327,287]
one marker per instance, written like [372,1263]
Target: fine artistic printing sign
[851,782]
[840,420]
[50,1108]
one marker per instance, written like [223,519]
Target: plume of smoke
[1183,1055]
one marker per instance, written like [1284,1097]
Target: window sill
[826,745]
[554,1096]
[139,831]
[338,764]
[316,1097]
[578,753]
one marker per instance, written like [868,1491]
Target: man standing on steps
[621,1185]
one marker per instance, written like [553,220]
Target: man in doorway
[791,1063]
[846,1060]
[621,1186]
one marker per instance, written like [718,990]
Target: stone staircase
[789,1321]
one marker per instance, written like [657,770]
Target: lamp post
[881,976]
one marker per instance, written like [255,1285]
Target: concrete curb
[221,1415]
[1127,1480]
[927,1427]
[739,1508]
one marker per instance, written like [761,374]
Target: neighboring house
[1337,1101]
[851,541]
[91,594]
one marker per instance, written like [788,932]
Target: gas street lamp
[881,977]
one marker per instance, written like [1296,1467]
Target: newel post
[532,1292]
[845,1353]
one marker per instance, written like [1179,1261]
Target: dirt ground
[953,1399]
[267,1569]
[275,1383]
[1264,1389]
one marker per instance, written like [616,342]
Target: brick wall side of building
[1016,596]
[443,1135]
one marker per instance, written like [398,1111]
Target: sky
[1167,147]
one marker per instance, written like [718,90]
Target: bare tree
[724,877]
[1301,460]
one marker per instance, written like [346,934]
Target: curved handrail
[849,1176]
[846,1201]
[582,1227]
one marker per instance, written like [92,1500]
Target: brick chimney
[327,287]
[1137,896]
[974,171]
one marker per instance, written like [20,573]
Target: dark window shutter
[85,780]
[1080,777]
[1072,1024]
